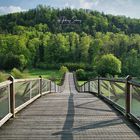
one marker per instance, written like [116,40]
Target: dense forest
[45,37]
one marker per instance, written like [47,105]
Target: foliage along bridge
[69,111]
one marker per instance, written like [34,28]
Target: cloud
[115,7]
[86,4]
[10,9]
[119,7]
[67,5]
[129,8]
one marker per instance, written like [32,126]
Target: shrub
[89,68]
[3,77]
[17,73]
[74,66]
[90,75]
[70,66]
[85,75]
[53,78]
[2,59]
[80,73]
[45,66]
[63,69]
[11,61]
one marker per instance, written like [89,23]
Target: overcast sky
[129,8]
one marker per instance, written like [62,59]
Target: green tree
[23,62]
[41,27]
[133,63]
[33,46]
[94,50]
[11,61]
[109,64]
[84,47]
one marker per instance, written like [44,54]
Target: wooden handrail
[10,84]
[26,80]
[128,82]
[134,83]
[113,80]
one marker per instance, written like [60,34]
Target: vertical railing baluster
[40,85]
[98,86]
[84,87]
[109,89]
[30,89]
[8,89]
[55,87]
[89,86]
[59,89]
[50,86]
[12,96]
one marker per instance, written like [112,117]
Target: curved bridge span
[69,115]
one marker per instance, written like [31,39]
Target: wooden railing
[15,94]
[123,94]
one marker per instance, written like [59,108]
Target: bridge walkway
[69,116]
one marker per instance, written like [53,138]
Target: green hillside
[48,38]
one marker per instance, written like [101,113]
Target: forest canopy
[37,38]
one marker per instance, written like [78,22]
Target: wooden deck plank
[69,116]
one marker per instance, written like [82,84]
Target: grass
[117,89]
[49,74]
[81,82]
[3,76]
[54,75]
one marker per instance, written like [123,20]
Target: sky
[129,8]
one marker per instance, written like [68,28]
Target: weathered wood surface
[69,116]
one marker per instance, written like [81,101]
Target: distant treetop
[91,21]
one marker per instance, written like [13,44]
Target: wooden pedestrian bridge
[39,109]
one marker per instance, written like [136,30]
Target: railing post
[127,96]
[50,86]
[40,82]
[12,96]
[55,87]
[59,89]
[84,87]
[89,86]
[30,89]
[98,85]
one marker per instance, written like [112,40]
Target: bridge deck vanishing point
[69,116]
